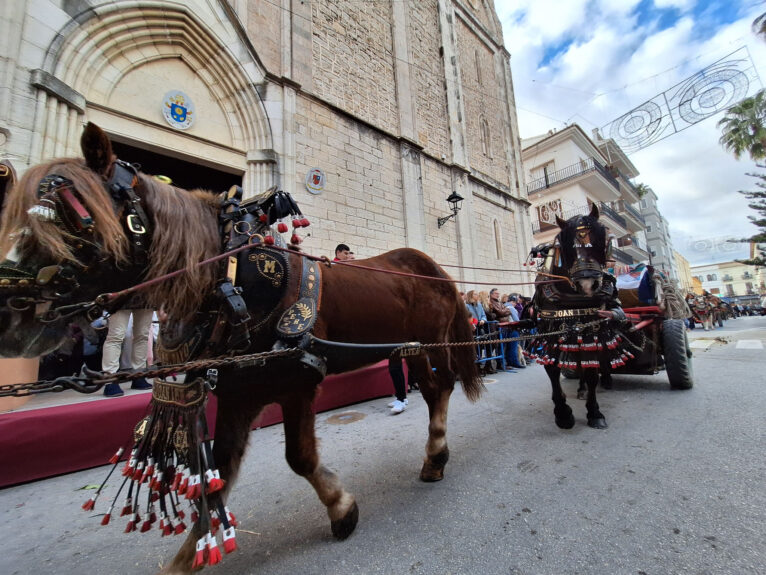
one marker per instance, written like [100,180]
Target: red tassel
[264,218]
[194,490]
[214,553]
[281,227]
[199,557]
[305,223]
[138,472]
[214,481]
[230,516]
[181,514]
[90,503]
[131,524]
[116,457]
[106,518]
[179,528]
[268,240]
[229,540]
[296,223]
[146,526]
[295,239]
[194,516]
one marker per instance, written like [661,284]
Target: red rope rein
[325,259]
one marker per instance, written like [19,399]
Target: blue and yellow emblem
[178,109]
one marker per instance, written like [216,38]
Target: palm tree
[744,127]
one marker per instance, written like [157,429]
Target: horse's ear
[561,223]
[594,212]
[96,148]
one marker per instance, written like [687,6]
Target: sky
[591,61]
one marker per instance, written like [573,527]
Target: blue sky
[591,61]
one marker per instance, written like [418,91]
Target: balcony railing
[610,213]
[728,278]
[632,241]
[621,256]
[571,172]
[624,206]
[629,184]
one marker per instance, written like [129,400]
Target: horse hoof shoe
[342,528]
[599,423]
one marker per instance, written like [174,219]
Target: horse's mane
[47,237]
[184,231]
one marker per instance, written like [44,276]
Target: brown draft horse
[356,306]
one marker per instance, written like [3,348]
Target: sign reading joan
[178,109]
[315,181]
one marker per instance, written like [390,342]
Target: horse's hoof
[565,423]
[597,423]
[433,468]
[344,527]
[582,394]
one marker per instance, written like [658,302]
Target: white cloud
[615,63]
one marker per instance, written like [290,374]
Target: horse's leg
[581,387]
[303,458]
[436,388]
[561,411]
[233,420]
[596,419]
[606,375]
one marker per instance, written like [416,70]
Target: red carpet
[50,441]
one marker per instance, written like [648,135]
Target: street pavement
[676,485]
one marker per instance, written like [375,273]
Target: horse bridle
[59,202]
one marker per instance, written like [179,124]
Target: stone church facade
[398,103]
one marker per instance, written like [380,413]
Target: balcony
[629,189]
[728,278]
[607,190]
[621,256]
[634,247]
[605,210]
[747,276]
[635,220]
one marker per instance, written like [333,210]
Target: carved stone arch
[120,51]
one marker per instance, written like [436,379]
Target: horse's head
[583,249]
[63,241]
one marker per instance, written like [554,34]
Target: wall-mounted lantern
[454,201]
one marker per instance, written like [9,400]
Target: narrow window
[485,138]
[498,241]
[477,58]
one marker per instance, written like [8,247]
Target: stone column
[410,156]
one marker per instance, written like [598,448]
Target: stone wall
[482,105]
[361,204]
[428,70]
[353,64]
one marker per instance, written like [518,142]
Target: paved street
[676,485]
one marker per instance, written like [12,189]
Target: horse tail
[463,358]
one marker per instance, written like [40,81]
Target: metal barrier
[489,352]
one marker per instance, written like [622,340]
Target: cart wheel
[678,355]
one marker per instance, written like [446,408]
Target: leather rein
[59,203]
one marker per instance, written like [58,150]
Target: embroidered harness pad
[299,318]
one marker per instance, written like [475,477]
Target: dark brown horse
[71,232]
[582,317]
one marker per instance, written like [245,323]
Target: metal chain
[87,384]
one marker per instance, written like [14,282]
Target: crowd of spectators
[492,316]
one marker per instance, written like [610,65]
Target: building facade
[658,236]
[685,281]
[370,113]
[567,173]
[742,283]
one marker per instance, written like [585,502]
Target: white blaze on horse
[76,229]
